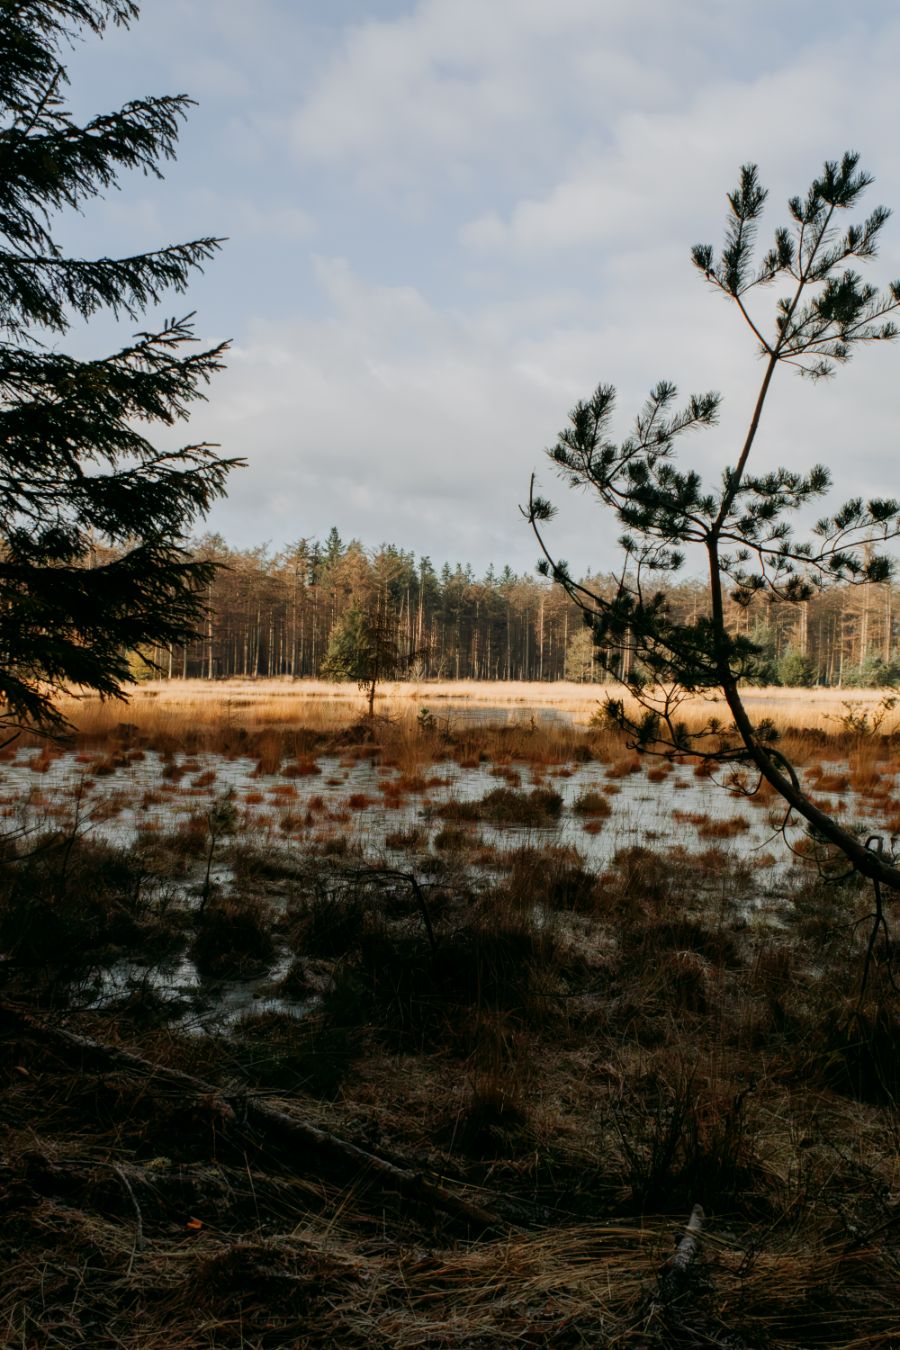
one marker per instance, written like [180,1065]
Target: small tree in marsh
[745,527]
[93,517]
[365,646]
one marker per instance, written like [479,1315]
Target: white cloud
[654,175]
[456,84]
[389,417]
[512,187]
[398,421]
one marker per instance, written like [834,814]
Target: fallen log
[675,1272]
[674,1300]
[239,1109]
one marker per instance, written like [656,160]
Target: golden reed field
[317,704]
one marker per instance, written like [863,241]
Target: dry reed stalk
[167,706]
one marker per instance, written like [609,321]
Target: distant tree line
[308,610]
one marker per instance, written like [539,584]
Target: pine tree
[745,528]
[365,646]
[351,648]
[93,518]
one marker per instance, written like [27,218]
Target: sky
[449,220]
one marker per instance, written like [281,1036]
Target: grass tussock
[592,804]
[233,938]
[508,806]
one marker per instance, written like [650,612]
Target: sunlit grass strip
[326,705]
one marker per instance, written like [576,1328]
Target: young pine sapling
[746,528]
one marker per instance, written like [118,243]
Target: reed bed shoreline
[811,709]
[217,714]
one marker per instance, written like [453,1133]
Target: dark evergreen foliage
[745,528]
[351,648]
[92,516]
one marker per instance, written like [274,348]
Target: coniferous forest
[281,614]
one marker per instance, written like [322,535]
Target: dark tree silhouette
[92,516]
[746,526]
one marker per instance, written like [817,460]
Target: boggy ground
[290,764]
[578,1058]
[542,1069]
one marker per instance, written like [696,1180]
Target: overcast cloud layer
[448,220]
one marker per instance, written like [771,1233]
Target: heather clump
[509,806]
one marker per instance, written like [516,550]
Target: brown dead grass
[587,1053]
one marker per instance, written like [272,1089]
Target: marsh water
[356,807]
[151,795]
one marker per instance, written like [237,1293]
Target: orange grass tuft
[304,768]
[624,766]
